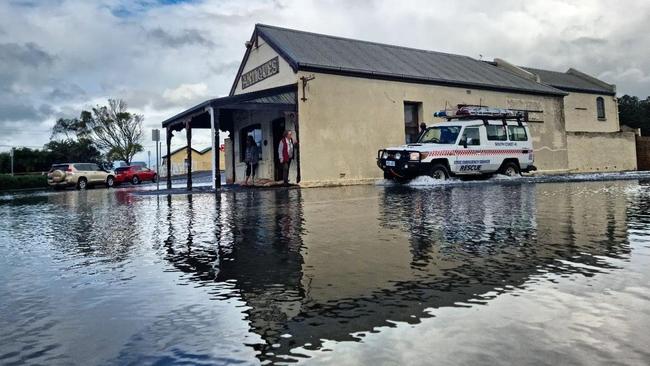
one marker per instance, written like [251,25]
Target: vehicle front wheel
[439,172]
[110,182]
[511,170]
[82,183]
[135,180]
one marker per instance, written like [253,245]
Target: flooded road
[544,274]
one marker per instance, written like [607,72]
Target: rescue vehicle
[473,141]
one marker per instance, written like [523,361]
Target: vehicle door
[469,155]
[82,171]
[497,147]
[96,173]
[145,173]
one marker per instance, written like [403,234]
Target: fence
[643,152]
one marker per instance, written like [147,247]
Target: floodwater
[543,274]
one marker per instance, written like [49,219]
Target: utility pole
[11,153]
[155,136]
[148,158]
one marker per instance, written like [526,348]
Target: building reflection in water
[311,267]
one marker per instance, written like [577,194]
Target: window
[411,121]
[496,133]
[252,130]
[600,107]
[517,133]
[440,135]
[471,137]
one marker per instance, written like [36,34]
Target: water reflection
[306,267]
[312,269]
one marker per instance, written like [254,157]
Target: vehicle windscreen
[440,135]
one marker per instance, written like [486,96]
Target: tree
[111,128]
[635,112]
[73,151]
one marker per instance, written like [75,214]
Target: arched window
[600,107]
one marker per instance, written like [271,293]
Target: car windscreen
[440,135]
[62,167]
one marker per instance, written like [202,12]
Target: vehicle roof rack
[465,112]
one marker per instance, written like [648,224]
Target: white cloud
[186,93]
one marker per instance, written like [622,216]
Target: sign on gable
[265,70]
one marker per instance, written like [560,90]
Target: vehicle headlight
[398,156]
[384,155]
[414,156]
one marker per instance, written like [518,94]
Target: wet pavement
[535,273]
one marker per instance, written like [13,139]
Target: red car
[134,174]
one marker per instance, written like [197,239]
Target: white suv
[462,147]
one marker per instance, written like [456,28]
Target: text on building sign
[265,70]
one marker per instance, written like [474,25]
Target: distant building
[344,99]
[201,160]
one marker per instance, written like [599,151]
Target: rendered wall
[581,115]
[593,152]
[345,120]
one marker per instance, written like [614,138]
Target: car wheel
[82,183]
[511,170]
[135,180]
[155,178]
[110,182]
[439,172]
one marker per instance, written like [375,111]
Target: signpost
[155,136]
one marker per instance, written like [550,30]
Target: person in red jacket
[285,153]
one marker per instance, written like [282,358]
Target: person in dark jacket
[251,159]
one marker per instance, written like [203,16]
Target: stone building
[344,99]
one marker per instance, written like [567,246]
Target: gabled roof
[322,53]
[573,80]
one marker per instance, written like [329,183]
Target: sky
[58,57]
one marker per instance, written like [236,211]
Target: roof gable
[318,52]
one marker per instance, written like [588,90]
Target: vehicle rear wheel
[510,169]
[439,172]
[110,182]
[82,183]
[135,180]
[155,178]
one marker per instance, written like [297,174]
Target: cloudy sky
[162,56]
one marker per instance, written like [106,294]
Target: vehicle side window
[471,136]
[517,133]
[496,133]
[94,167]
[80,167]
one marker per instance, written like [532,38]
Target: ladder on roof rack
[465,111]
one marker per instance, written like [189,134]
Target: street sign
[155,134]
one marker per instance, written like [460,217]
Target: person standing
[251,159]
[285,153]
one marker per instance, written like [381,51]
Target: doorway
[278,127]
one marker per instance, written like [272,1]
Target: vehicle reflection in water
[301,268]
[312,269]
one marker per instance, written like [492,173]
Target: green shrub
[7,182]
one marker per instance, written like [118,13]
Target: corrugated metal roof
[570,82]
[312,51]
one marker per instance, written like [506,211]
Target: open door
[278,126]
